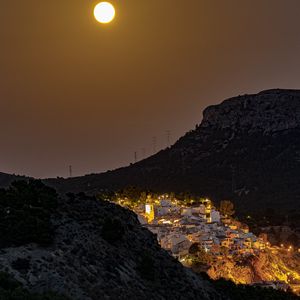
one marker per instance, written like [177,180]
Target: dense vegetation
[146,266]
[246,292]
[13,290]
[112,230]
[25,210]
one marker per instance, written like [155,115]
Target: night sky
[76,92]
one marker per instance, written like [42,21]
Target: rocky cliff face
[268,112]
[100,251]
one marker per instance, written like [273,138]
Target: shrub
[10,289]
[245,292]
[113,230]
[146,266]
[21,264]
[25,211]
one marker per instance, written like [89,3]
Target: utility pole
[70,171]
[135,157]
[143,153]
[154,144]
[168,138]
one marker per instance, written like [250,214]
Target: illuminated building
[150,213]
[208,211]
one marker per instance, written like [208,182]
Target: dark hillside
[246,149]
[97,251]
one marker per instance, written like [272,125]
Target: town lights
[178,226]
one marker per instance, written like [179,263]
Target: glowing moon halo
[104,12]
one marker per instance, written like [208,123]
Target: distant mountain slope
[247,149]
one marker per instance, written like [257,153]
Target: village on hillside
[178,227]
[200,230]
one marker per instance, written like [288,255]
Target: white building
[186,211]
[215,216]
[165,203]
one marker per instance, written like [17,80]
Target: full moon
[104,12]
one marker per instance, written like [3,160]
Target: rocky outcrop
[101,251]
[269,111]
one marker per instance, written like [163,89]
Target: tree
[131,192]
[146,266]
[143,197]
[113,230]
[293,239]
[172,196]
[10,289]
[227,208]
[194,248]
[198,254]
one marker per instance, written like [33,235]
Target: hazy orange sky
[76,92]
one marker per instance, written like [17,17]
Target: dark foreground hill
[93,250]
[246,149]
[81,248]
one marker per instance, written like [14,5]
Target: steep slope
[100,251]
[246,149]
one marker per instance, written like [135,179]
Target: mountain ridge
[247,149]
[240,144]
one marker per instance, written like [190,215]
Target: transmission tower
[70,171]
[135,157]
[143,152]
[154,144]
[168,138]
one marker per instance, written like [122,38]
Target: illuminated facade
[150,212]
[208,211]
